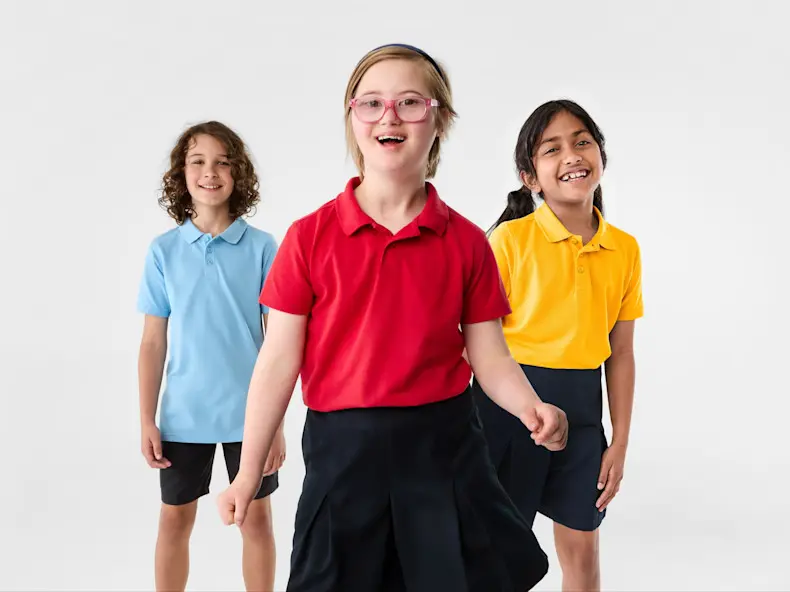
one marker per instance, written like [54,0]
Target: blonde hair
[438,87]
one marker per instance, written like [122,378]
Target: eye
[223,163]
[198,161]
[584,142]
[410,101]
[550,150]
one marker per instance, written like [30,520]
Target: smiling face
[400,141]
[567,161]
[208,172]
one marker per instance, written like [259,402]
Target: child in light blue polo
[199,294]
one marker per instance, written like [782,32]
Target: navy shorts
[398,499]
[563,486]
[189,474]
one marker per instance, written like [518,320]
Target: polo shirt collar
[434,215]
[555,231]
[232,234]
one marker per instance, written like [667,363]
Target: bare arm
[271,387]
[150,366]
[495,369]
[620,379]
[265,332]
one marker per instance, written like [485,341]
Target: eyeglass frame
[390,104]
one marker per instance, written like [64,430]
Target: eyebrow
[556,138]
[199,154]
[404,92]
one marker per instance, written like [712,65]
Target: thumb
[530,419]
[241,512]
[156,441]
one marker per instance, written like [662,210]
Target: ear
[530,182]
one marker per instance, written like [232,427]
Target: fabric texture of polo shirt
[384,310]
[566,297]
[208,288]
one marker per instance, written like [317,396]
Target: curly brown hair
[175,197]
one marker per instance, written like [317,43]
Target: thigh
[189,474]
[571,488]
[232,452]
[520,464]
[343,539]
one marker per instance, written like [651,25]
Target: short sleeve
[152,297]
[484,294]
[269,251]
[632,306]
[287,286]
[500,244]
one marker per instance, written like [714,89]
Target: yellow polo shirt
[566,297]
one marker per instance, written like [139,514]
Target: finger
[226,512]
[549,431]
[603,476]
[609,499]
[608,493]
[267,469]
[148,453]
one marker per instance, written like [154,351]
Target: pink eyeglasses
[371,109]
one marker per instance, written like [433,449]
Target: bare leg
[259,558]
[172,546]
[577,551]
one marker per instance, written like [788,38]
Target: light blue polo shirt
[208,289]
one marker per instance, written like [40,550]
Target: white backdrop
[692,97]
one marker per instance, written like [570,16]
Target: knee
[176,522]
[258,522]
[579,554]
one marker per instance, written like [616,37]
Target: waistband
[440,415]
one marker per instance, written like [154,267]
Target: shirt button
[210,261]
[580,269]
[574,241]
[209,249]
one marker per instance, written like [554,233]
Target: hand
[276,456]
[611,474]
[235,500]
[151,447]
[548,424]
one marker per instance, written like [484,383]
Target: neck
[213,221]
[384,197]
[577,218]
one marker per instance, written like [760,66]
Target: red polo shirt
[384,309]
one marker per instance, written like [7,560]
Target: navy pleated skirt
[407,499]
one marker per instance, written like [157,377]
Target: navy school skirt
[398,499]
[563,486]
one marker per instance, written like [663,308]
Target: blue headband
[417,50]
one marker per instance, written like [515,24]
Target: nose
[390,115]
[209,170]
[570,156]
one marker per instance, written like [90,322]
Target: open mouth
[574,176]
[389,140]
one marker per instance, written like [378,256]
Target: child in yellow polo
[574,283]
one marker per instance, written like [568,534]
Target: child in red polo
[366,296]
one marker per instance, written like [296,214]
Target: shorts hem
[572,524]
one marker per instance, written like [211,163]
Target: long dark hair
[520,202]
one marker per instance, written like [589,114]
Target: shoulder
[461,226]
[164,244]
[520,227]
[310,224]
[622,239]
[260,237]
